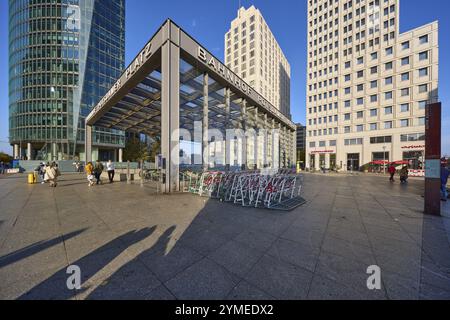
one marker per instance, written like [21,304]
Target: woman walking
[52,173]
[90,173]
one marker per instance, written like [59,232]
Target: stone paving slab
[133,244]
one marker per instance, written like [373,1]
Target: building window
[405,45]
[423,56]
[360,114]
[421,121]
[405,92]
[405,61]
[388,66]
[423,88]
[423,39]
[388,81]
[373,84]
[312,144]
[332,143]
[378,140]
[359,128]
[404,123]
[405,76]
[423,72]
[404,107]
[388,124]
[350,142]
[373,126]
[412,137]
[373,112]
[422,104]
[388,95]
[387,110]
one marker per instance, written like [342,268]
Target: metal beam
[205,123]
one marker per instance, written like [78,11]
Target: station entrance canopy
[204,114]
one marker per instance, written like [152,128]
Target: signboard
[433,168]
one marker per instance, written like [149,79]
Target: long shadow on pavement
[35,248]
[55,287]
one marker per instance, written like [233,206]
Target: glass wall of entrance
[205,115]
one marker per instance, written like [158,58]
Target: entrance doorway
[353,161]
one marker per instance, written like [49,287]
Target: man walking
[391,171]
[98,171]
[444,179]
[110,168]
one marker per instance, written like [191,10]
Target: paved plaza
[132,244]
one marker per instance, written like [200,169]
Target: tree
[5,158]
[136,150]
[155,148]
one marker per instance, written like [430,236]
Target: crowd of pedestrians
[403,173]
[94,171]
[49,173]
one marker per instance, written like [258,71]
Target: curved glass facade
[64,56]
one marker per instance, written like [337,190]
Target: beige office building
[253,53]
[367,84]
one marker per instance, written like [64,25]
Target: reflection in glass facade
[64,56]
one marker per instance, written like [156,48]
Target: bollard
[128,172]
[142,173]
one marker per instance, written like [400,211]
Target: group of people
[3,167]
[445,173]
[403,173]
[94,171]
[49,173]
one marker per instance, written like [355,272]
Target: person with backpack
[98,169]
[404,175]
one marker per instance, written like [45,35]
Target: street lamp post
[384,159]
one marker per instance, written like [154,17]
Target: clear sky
[207,21]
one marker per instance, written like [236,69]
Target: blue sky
[207,21]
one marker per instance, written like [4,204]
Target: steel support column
[227,148]
[170,116]
[205,122]
[244,128]
[256,140]
[88,144]
[29,151]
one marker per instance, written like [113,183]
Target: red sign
[414,147]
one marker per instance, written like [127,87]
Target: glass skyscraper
[64,55]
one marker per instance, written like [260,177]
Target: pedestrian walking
[404,175]
[392,171]
[444,179]
[51,174]
[90,173]
[111,171]
[2,168]
[98,171]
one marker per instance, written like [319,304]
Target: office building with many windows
[64,55]
[367,85]
[254,54]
